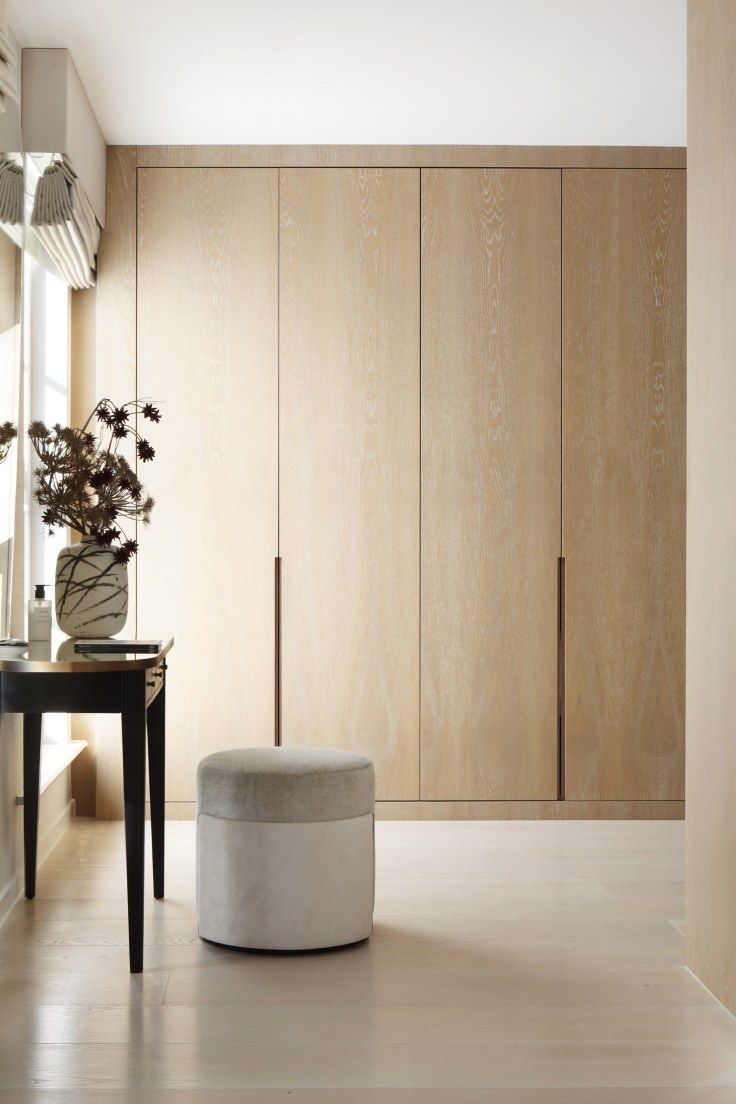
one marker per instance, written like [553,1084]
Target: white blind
[66,224]
[11,191]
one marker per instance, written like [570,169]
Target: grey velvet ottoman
[285,857]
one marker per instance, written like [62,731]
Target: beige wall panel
[350,465]
[207,351]
[82,399]
[624,482]
[711,521]
[490,482]
[103,365]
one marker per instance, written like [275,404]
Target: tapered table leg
[32,723]
[133,712]
[156,723]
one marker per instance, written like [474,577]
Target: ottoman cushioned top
[286,785]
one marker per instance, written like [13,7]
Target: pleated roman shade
[11,191]
[65,223]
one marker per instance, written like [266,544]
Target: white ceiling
[551,72]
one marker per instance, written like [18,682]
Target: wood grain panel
[490,482]
[437,156]
[711,511]
[103,364]
[350,465]
[207,349]
[624,482]
[82,399]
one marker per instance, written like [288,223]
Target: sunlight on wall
[47,382]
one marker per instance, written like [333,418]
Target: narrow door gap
[277,563]
[419,711]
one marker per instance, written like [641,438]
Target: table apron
[23,692]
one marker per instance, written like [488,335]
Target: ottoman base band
[285,887]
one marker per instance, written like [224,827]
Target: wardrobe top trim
[414,157]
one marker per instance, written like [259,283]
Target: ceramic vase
[91,590]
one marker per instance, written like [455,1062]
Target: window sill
[55,758]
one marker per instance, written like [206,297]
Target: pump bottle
[39,616]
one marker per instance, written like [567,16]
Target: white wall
[55,806]
[549,72]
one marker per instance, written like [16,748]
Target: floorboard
[512,963]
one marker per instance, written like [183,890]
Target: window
[46,359]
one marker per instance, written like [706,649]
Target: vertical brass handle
[561,678]
[277,653]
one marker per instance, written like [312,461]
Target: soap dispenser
[39,616]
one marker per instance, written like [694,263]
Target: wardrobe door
[624,482]
[490,483]
[208,354]
[349,476]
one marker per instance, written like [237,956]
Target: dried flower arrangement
[8,433]
[84,482]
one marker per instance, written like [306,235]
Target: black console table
[131,684]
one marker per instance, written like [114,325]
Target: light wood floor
[512,963]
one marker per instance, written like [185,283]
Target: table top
[59,657]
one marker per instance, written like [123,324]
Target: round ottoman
[285,858]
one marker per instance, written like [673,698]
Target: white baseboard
[12,891]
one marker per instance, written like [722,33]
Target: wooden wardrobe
[490,483]
[623,489]
[444,406]
[349,474]
[208,353]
